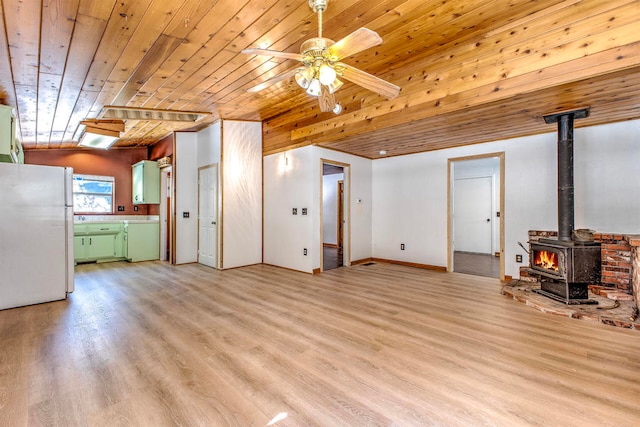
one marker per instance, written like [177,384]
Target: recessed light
[382,152]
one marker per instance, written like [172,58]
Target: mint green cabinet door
[102,246]
[146,182]
[79,248]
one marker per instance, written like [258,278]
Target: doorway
[208,216]
[476,208]
[334,215]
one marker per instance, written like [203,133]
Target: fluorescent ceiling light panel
[96,140]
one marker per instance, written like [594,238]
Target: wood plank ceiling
[470,70]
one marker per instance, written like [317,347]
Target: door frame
[216,213]
[346,229]
[450,181]
[166,226]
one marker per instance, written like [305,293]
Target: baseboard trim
[411,264]
[316,271]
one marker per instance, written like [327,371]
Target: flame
[546,259]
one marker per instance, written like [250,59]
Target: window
[93,194]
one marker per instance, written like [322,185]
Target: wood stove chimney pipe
[565,169]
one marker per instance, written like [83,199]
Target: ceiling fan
[322,67]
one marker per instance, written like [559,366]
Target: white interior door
[472,213]
[207,215]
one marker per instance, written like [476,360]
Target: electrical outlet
[304,252]
[135,208]
[304,211]
[120,208]
[402,246]
[518,258]
[185,214]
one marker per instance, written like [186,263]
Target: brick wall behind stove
[617,267]
[616,261]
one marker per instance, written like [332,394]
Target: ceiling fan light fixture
[327,74]
[337,109]
[304,77]
[334,85]
[315,87]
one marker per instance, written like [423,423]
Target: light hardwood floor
[152,344]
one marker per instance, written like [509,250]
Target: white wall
[242,193]
[296,184]
[186,200]
[330,208]
[237,146]
[410,192]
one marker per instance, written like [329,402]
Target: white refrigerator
[36,234]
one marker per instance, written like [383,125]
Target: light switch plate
[294,211]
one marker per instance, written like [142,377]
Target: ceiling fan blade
[274,53]
[326,100]
[355,42]
[273,80]
[369,81]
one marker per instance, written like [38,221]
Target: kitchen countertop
[115,219]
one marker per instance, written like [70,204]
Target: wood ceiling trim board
[27,97]
[87,33]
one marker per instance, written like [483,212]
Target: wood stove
[566,267]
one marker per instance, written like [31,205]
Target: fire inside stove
[546,259]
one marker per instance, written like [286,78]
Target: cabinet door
[138,182]
[79,248]
[102,246]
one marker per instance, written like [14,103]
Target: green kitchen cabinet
[95,242]
[142,241]
[10,148]
[146,182]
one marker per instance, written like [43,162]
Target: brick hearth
[620,283]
